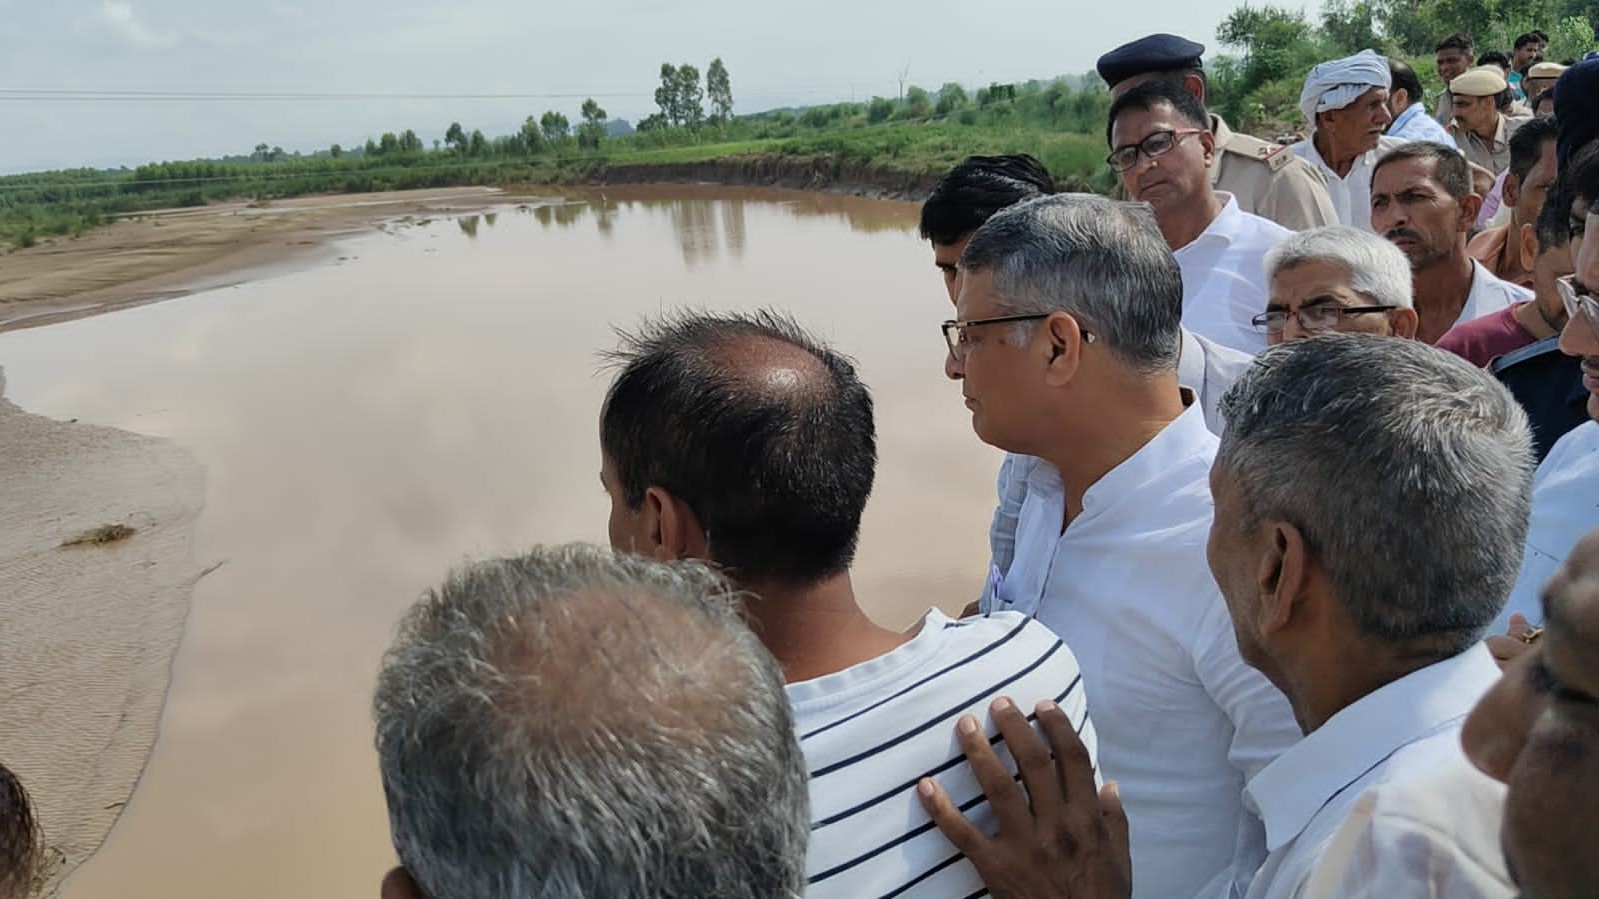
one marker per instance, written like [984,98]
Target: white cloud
[118,16]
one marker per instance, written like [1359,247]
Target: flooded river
[431,395]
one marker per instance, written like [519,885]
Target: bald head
[577,722]
[760,429]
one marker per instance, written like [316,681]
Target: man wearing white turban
[1345,102]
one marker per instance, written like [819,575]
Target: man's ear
[397,884]
[1527,246]
[1470,205]
[1065,348]
[1405,322]
[1281,578]
[1510,190]
[672,528]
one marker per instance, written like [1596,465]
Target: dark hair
[19,837]
[1496,57]
[1528,38]
[1554,219]
[1541,35]
[1450,168]
[970,193]
[1526,145]
[1405,79]
[1460,40]
[1581,177]
[778,473]
[1150,94]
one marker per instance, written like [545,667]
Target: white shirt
[1489,294]
[1182,721]
[1415,124]
[1435,836]
[1400,731]
[1351,194]
[871,731]
[1565,507]
[1224,283]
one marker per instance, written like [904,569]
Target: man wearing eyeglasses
[1065,344]
[1264,177]
[1163,149]
[1565,492]
[1422,200]
[1337,278]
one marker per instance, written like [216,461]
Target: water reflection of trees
[709,221]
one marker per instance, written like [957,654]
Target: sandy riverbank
[159,255]
[90,630]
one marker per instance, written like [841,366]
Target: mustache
[1397,233]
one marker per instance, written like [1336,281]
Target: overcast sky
[778,54]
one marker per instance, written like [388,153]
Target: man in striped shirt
[742,440]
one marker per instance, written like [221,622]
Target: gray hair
[1376,267]
[579,722]
[1407,469]
[1101,261]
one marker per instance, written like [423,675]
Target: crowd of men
[1265,616]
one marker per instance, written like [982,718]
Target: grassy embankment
[914,140]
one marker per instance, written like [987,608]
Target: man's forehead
[1160,116]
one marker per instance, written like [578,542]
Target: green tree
[410,143]
[666,96]
[261,151]
[389,143]
[879,110]
[533,137]
[1351,26]
[918,103]
[690,96]
[719,90]
[592,131]
[555,126]
[951,97]
[455,137]
[477,145]
[336,151]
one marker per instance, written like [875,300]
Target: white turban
[1336,84]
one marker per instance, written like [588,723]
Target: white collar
[1293,787]
[1224,227]
[1176,443]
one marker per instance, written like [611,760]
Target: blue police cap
[1155,53]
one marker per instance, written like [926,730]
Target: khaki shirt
[1269,180]
[1492,155]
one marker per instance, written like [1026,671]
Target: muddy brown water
[429,397]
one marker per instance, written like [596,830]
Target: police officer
[1266,178]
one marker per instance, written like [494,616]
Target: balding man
[1265,179]
[1065,348]
[577,722]
[1345,102]
[1408,105]
[741,440]
[1481,131]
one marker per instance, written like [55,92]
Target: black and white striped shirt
[872,731]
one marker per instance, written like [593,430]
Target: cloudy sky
[778,54]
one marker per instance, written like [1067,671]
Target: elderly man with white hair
[1345,102]
[1337,278]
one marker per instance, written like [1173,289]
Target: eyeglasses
[1574,301]
[955,332]
[1322,317]
[1158,144]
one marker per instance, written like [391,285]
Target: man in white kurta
[1345,101]
[1108,543]
[1160,145]
[1317,578]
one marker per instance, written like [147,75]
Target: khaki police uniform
[1269,180]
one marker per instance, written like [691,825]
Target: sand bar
[167,253]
